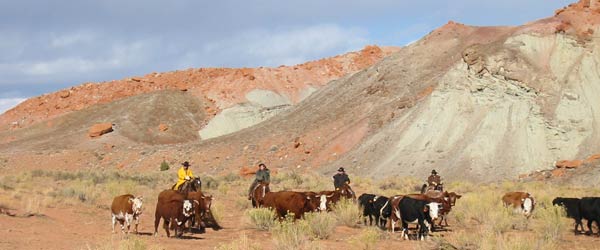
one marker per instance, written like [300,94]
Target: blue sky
[49,45]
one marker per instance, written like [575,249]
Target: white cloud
[72,39]
[8,103]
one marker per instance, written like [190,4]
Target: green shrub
[347,213]
[262,218]
[164,166]
[321,225]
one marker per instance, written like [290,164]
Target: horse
[347,192]
[425,188]
[193,185]
[258,193]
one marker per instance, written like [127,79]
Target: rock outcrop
[99,129]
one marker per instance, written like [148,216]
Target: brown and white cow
[521,202]
[125,209]
[284,202]
[173,207]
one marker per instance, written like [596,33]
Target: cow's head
[323,203]
[527,205]
[433,208]
[452,197]
[206,203]
[188,207]
[136,204]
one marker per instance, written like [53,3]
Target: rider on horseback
[434,181]
[184,174]
[340,178]
[262,175]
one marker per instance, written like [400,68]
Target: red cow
[294,202]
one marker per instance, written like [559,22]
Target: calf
[172,207]
[521,202]
[572,206]
[125,209]
[589,208]
[417,211]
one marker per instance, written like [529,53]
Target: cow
[125,209]
[298,203]
[590,210]
[444,204]
[573,208]
[173,207]
[417,211]
[202,213]
[395,211]
[365,203]
[447,204]
[380,210]
[521,202]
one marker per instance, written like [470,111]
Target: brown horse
[347,192]
[259,193]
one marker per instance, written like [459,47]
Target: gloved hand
[187,178]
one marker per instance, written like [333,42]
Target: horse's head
[196,184]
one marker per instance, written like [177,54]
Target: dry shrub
[347,213]
[34,206]
[242,202]
[367,239]
[242,243]
[321,225]
[216,209]
[261,218]
[289,234]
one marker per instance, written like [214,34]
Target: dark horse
[438,187]
[258,193]
[193,185]
[347,192]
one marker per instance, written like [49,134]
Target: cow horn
[197,202]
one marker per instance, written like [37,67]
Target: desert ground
[70,210]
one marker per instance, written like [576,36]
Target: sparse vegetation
[262,218]
[367,239]
[242,243]
[290,235]
[164,166]
[321,225]
[347,213]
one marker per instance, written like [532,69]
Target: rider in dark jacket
[262,175]
[340,178]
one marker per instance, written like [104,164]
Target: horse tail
[423,188]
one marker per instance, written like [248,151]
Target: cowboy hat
[341,170]
[433,172]
[185,164]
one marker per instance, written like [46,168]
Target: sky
[46,46]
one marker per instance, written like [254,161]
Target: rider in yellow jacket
[184,174]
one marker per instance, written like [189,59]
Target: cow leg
[128,219]
[156,222]
[166,226]
[114,223]
[137,221]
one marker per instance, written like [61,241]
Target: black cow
[365,201]
[572,207]
[377,207]
[589,208]
[417,211]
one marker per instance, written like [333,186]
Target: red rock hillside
[218,87]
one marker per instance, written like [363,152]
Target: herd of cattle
[177,208]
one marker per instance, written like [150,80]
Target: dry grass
[347,213]
[367,239]
[320,225]
[242,243]
[290,235]
[261,218]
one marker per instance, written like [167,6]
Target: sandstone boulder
[99,129]
[163,127]
[569,164]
